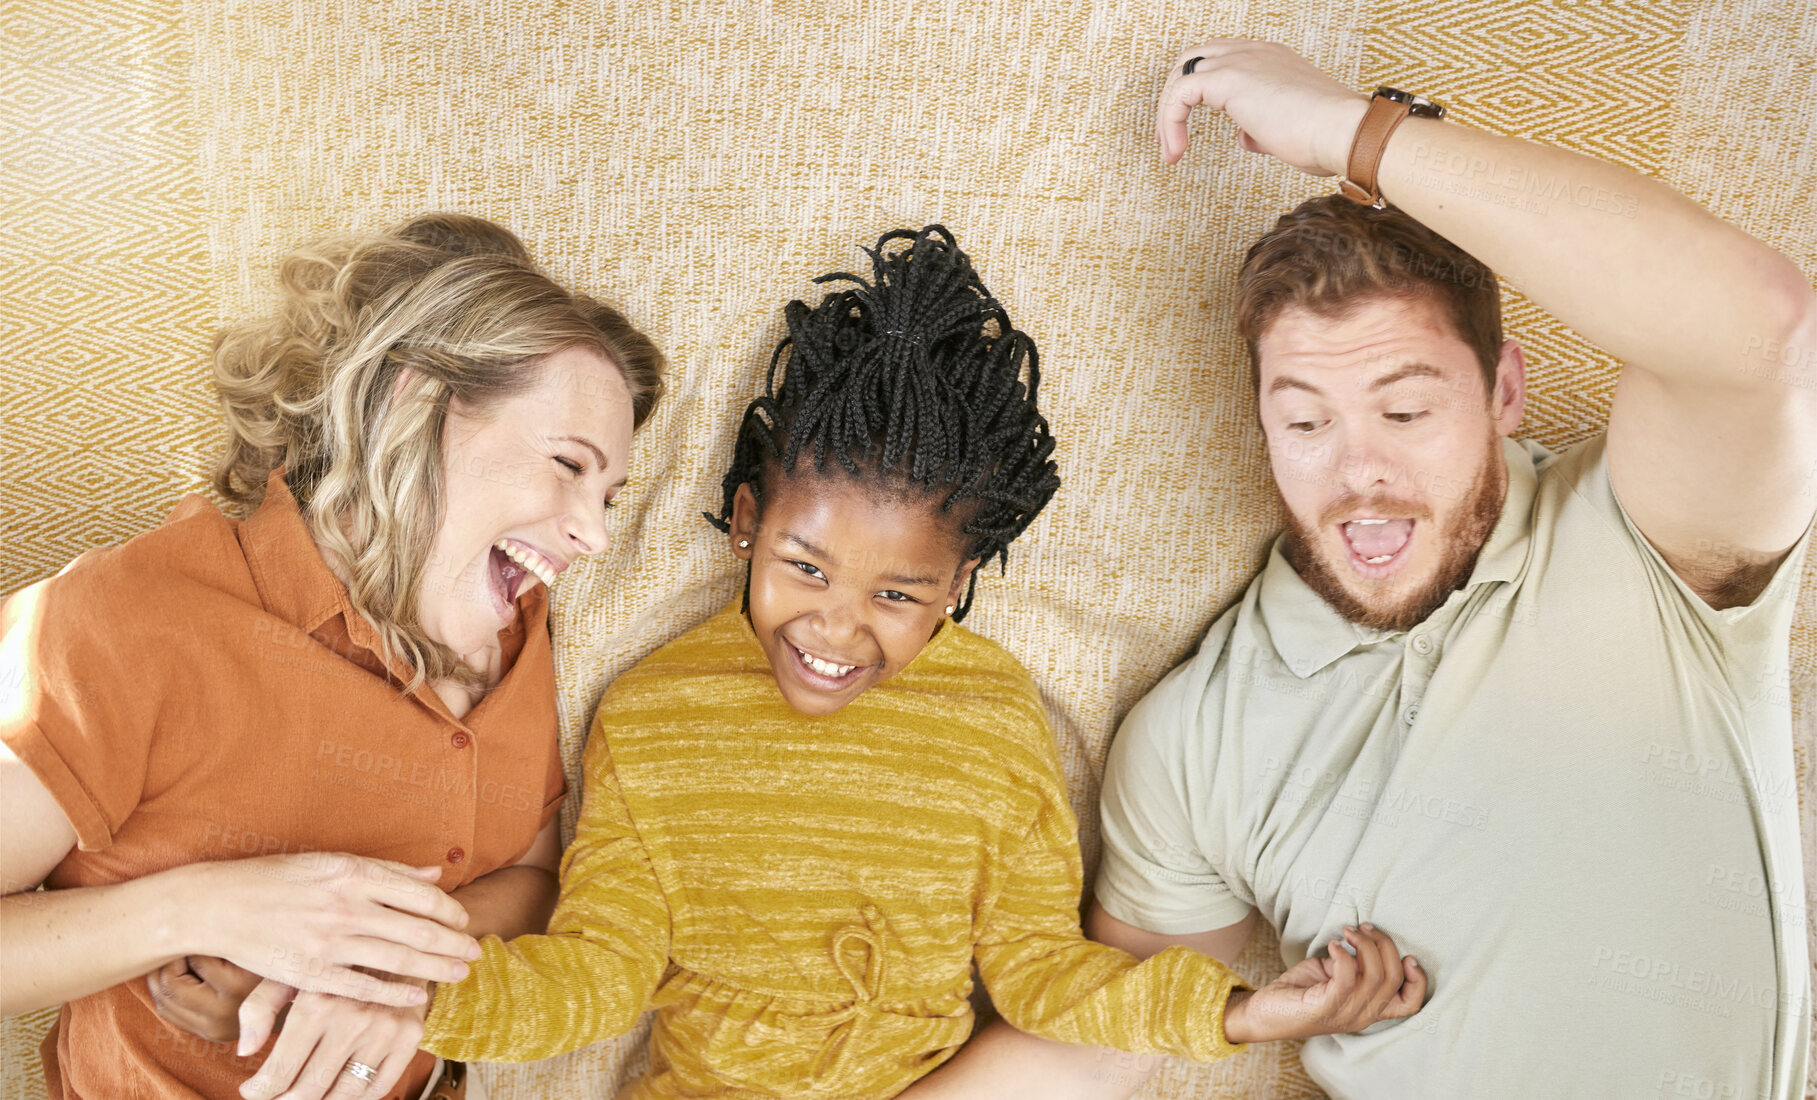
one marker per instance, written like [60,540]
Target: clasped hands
[342,947]
[1334,995]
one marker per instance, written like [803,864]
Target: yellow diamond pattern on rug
[105,315]
[1595,78]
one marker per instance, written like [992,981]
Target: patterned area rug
[697,162]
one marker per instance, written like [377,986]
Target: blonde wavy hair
[314,390]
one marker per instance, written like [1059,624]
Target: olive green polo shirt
[1569,793]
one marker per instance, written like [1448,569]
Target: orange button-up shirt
[206,691]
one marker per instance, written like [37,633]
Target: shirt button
[459,740]
[455,855]
[1422,644]
[1412,712]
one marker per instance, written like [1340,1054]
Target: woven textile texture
[696,163]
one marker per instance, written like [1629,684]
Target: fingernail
[1367,927]
[1413,962]
[1352,927]
[474,951]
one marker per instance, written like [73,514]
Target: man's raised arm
[1713,433]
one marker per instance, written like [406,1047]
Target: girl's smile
[847,585]
[822,674]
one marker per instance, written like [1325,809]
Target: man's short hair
[1330,255]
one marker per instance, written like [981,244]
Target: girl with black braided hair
[807,818]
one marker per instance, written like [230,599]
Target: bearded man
[1524,711]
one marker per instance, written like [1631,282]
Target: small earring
[949,609]
[744,544]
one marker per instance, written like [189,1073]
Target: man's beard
[1459,542]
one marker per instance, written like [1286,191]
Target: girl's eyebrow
[913,582]
[805,545]
[906,580]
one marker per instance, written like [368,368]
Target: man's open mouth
[1376,546]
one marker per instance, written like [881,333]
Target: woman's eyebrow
[599,456]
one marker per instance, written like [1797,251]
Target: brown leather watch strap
[1366,149]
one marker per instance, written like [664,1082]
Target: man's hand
[201,994]
[322,1035]
[1330,996]
[1282,104]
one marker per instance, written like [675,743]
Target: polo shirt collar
[1309,634]
[294,583]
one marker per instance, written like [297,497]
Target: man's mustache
[1375,507]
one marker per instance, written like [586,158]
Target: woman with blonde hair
[269,740]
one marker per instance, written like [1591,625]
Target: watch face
[1417,105]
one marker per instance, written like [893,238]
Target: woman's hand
[323,1035]
[1283,104]
[309,920]
[1330,996]
[201,994]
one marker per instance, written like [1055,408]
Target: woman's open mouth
[511,568]
[1376,547]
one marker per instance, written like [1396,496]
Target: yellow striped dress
[801,899]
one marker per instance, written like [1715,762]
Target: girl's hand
[1332,995]
[201,994]
[322,1036]
[1282,104]
[309,920]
